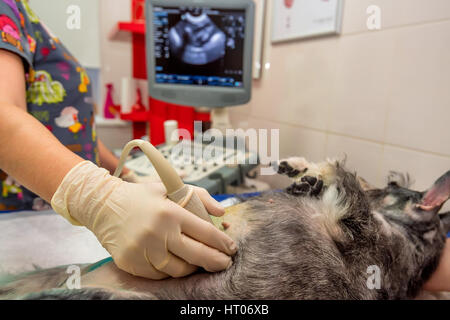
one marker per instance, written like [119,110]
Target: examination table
[30,240]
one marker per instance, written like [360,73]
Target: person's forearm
[440,280]
[31,154]
[108,160]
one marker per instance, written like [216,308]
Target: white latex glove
[132,177]
[146,234]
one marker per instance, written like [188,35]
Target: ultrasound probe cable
[177,191]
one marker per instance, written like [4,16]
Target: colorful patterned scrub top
[58,92]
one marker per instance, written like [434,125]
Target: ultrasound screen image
[199,46]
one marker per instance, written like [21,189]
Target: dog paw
[293,167]
[307,186]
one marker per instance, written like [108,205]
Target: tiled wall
[116,59]
[381,97]
[116,62]
[82,42]
[115,46]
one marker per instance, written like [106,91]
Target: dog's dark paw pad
[309,186]
[310,180]
[285,168]
[298,189]
[317,188]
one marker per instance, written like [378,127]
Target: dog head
[413,216]
[402,205]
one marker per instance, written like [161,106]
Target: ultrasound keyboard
[207,166]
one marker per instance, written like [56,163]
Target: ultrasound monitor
[199,52]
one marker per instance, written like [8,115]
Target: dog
[329,235]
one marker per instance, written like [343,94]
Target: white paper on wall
[296,19]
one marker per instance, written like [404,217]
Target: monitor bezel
[202,96]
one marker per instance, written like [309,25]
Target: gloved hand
[132,177]
[146,234]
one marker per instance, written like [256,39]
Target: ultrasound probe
[177,191]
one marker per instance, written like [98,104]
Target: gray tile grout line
[404,26]
[383,144]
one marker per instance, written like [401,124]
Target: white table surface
[44,239]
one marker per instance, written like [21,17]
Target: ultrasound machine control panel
[223,166]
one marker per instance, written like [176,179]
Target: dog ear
[445,219]
[437,195]
[401,179]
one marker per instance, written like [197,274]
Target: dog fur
[320,239]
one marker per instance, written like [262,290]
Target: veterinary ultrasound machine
[199,53]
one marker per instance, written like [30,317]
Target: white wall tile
[307,72]
[116,63]
[420,102]
[424,168]
[362,156]
[82,42]
[269,94]
[295,141]
[296,79]
[362,85]
[238,119]
[394,13]
[408,12]
[245,109]
[355,16]
[116,53]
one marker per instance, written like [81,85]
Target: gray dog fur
[321,239]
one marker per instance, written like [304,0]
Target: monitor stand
[220,119]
